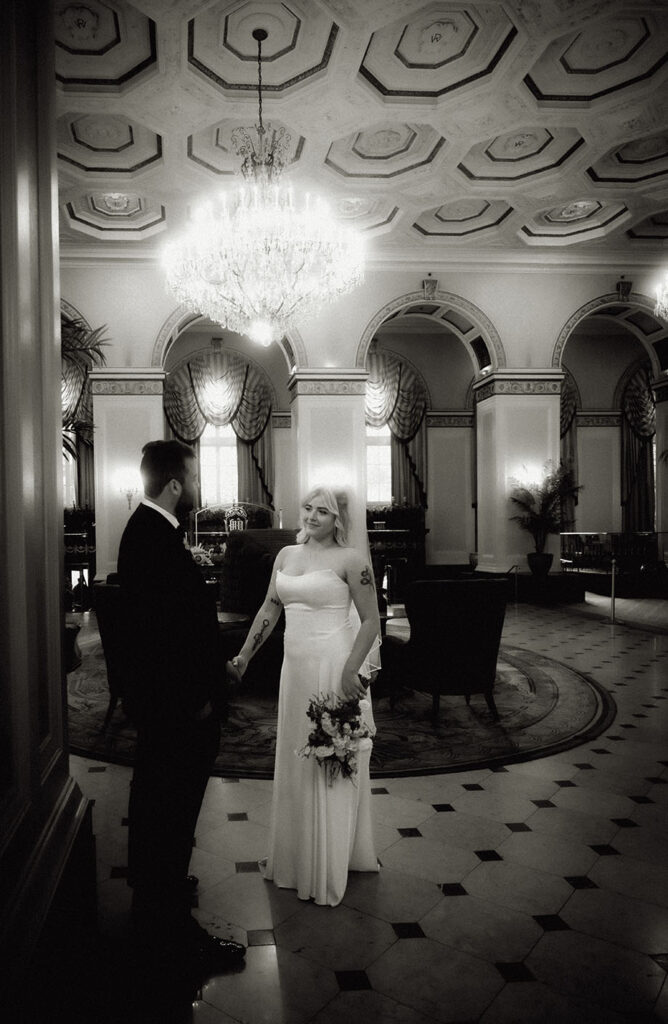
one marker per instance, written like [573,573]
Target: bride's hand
[352,686]
[236,668]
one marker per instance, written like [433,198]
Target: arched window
[218,465]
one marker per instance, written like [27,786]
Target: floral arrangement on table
[338,735]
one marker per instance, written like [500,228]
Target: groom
[175,675]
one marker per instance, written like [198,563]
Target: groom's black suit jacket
[174,653]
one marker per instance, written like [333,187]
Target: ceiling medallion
[257,261]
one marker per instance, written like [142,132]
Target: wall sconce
[623,289]
[429,286]
[129,493]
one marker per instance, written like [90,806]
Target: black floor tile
[409,833]
[487,855]
[514,972]
[580,882]
[246,866]
[551,923]
[624,823]
[543,803]
[453,889]
[352,981]
[441,808]
[604,850]
[517,826]
[237,816]
[261,937]
[472,787]
[379,790]
[408,930]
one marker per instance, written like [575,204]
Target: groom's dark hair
[161,462]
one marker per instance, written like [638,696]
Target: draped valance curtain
[220,388]
[638,429]
[396,396]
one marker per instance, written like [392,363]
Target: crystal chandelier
[661,308]
[257,261]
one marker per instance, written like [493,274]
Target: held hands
[353,686]
[235,669]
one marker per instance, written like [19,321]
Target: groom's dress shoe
[213,952]
[192,881]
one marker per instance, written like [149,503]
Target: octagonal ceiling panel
[103,47]
[654,227]
[443,48]
[604,57]
[106,144]
[214,149]
[113,215]
[576,221]
[640,161]
[462,218]
[369,214]
[222,49]
[520,154]
[384,150]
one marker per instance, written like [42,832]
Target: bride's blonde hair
[336,502]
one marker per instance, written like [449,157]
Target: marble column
[329,437]
[517,433]
[127,412]
[661,396]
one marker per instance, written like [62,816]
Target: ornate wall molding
[456,302]
[126,387]
[598,419]
[487,330]
[450,419]
[528,383]
[183,317]
[596,306]
[281,420]
[327,387]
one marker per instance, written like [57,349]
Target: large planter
[540,562]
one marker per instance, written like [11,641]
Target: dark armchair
[455,632]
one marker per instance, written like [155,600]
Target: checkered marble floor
[531,892]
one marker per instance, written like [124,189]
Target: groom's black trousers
[172,767]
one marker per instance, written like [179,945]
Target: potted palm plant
[81,351]
[540,511]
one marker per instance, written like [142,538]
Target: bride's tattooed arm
[366,577]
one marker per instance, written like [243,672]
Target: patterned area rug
[544,707]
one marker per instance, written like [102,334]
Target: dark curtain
[638,429]
[221,388]
[396,396]
[569,446]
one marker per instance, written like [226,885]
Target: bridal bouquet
[338,734]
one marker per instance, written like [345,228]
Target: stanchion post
[612,592]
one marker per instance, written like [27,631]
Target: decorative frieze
[513,386]
[450,419]
[598,419]
[281,420]
[126,387]
[328,382]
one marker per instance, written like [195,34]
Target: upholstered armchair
[455,632]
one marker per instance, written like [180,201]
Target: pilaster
[127,412]
[517,433]
[329,436]
[661,397]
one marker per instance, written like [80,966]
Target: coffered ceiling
[505,128]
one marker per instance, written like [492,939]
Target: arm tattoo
[366,579]
[274,600]
[258,637]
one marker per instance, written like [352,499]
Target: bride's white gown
[318,832]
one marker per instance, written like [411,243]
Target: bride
[319,830]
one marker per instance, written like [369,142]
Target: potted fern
[540,511]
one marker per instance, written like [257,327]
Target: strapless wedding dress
[319,832]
